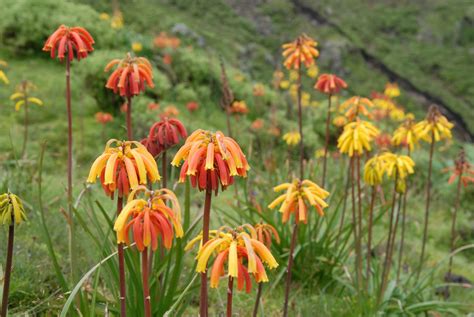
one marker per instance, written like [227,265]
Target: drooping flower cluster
[103,117]
[69,40]
[356,106]
[391,90]
[299,194]
[357,137]
[123,166]
[11,209]
[149,219]
[22,95]
[405,135]
[163,40]
[462,169]
[292,138]
[210,159]
[398,166]
[302,50]
[244,254]
[330,84]
[265,233]
[130,76]
[239,107]
[435,125]
[164,134]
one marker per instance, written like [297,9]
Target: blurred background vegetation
[426,47]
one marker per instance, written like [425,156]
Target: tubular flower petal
[73,41]
[406,135]
[21,96]
[302,50]
[123,165]
[357,137]
[462,169]
[243,253]
[149,219]
[164,134]
[330,84]
[374,170]
[399,167]
[103,117]
[265,233]
[11,209]
[210,159]
[292,138]
[298,195]
[239,107]
[356,106]
[130,76]
[435,125]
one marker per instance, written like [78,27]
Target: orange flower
[264,233]
[170,111]
[257,124]
[103,117]
[383,141]
[192,106]
[123,167]
[130,76]
[301,50]
[462,169]
[167,59]
[69,40]
[391,90]
[239,107]
[150,219]
[296,197]
[330,84]
[356,106]
[164,134]
[258,90]
[152,106]
[242,251]
[210,159]
[163,40]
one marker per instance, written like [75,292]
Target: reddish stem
[453,224]
[359,220]
[129,119]
[290,265]
[257,300]
[230,293]
[326,143]
[146,288]
[8,268]
[205,237]
[354,223]
[402,237]
[300,125]
[369,238]
[121,259]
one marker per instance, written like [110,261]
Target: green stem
[290,266]
[8,268]
[326,143]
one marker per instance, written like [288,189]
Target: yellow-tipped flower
[391,90]
[397,114]
[356,106]
[151,219]
[357,137]
[292,138]
[11,209]
[399,167]
[405,135]
[124,165]
[243,253]
[3,76]
[265,232]
[22,95]
[298,195]
[373,170]
[435,125]
[302,50]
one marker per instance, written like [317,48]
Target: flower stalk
[146,288]
[453,222]
[8,268]
[121,262]
[288,270]
[205,237]
[326,140]
[230,293]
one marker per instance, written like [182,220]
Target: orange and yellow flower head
[123,166]
[330,84]
[462,169]
[357,137]
[210,159]
[258,90]
[297,197]
[103,117]
[339,121]
[356,106]
[302,50]
[243,253]
[292,138]
[405,135]
[435,126]
[164,134]
[383,141]
[11,209]
[239,107]
[149,219]
[391,90]
[130,76]
[265,233]
[76,42]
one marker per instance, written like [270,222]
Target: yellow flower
[292,138]
[104,16]
[319,153]
[302,50]
[137,47]
[391,90]
[409,116]
[356,106]
[11,208]
[312,71]
[117,20]
[296,198]
[339,121]
[398,167]
[405,135]
[293,75]
[22,95]
[373,170]
[357,137]
[435,125]
[3,76]
[397,114]
[305,99]
[284,84]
